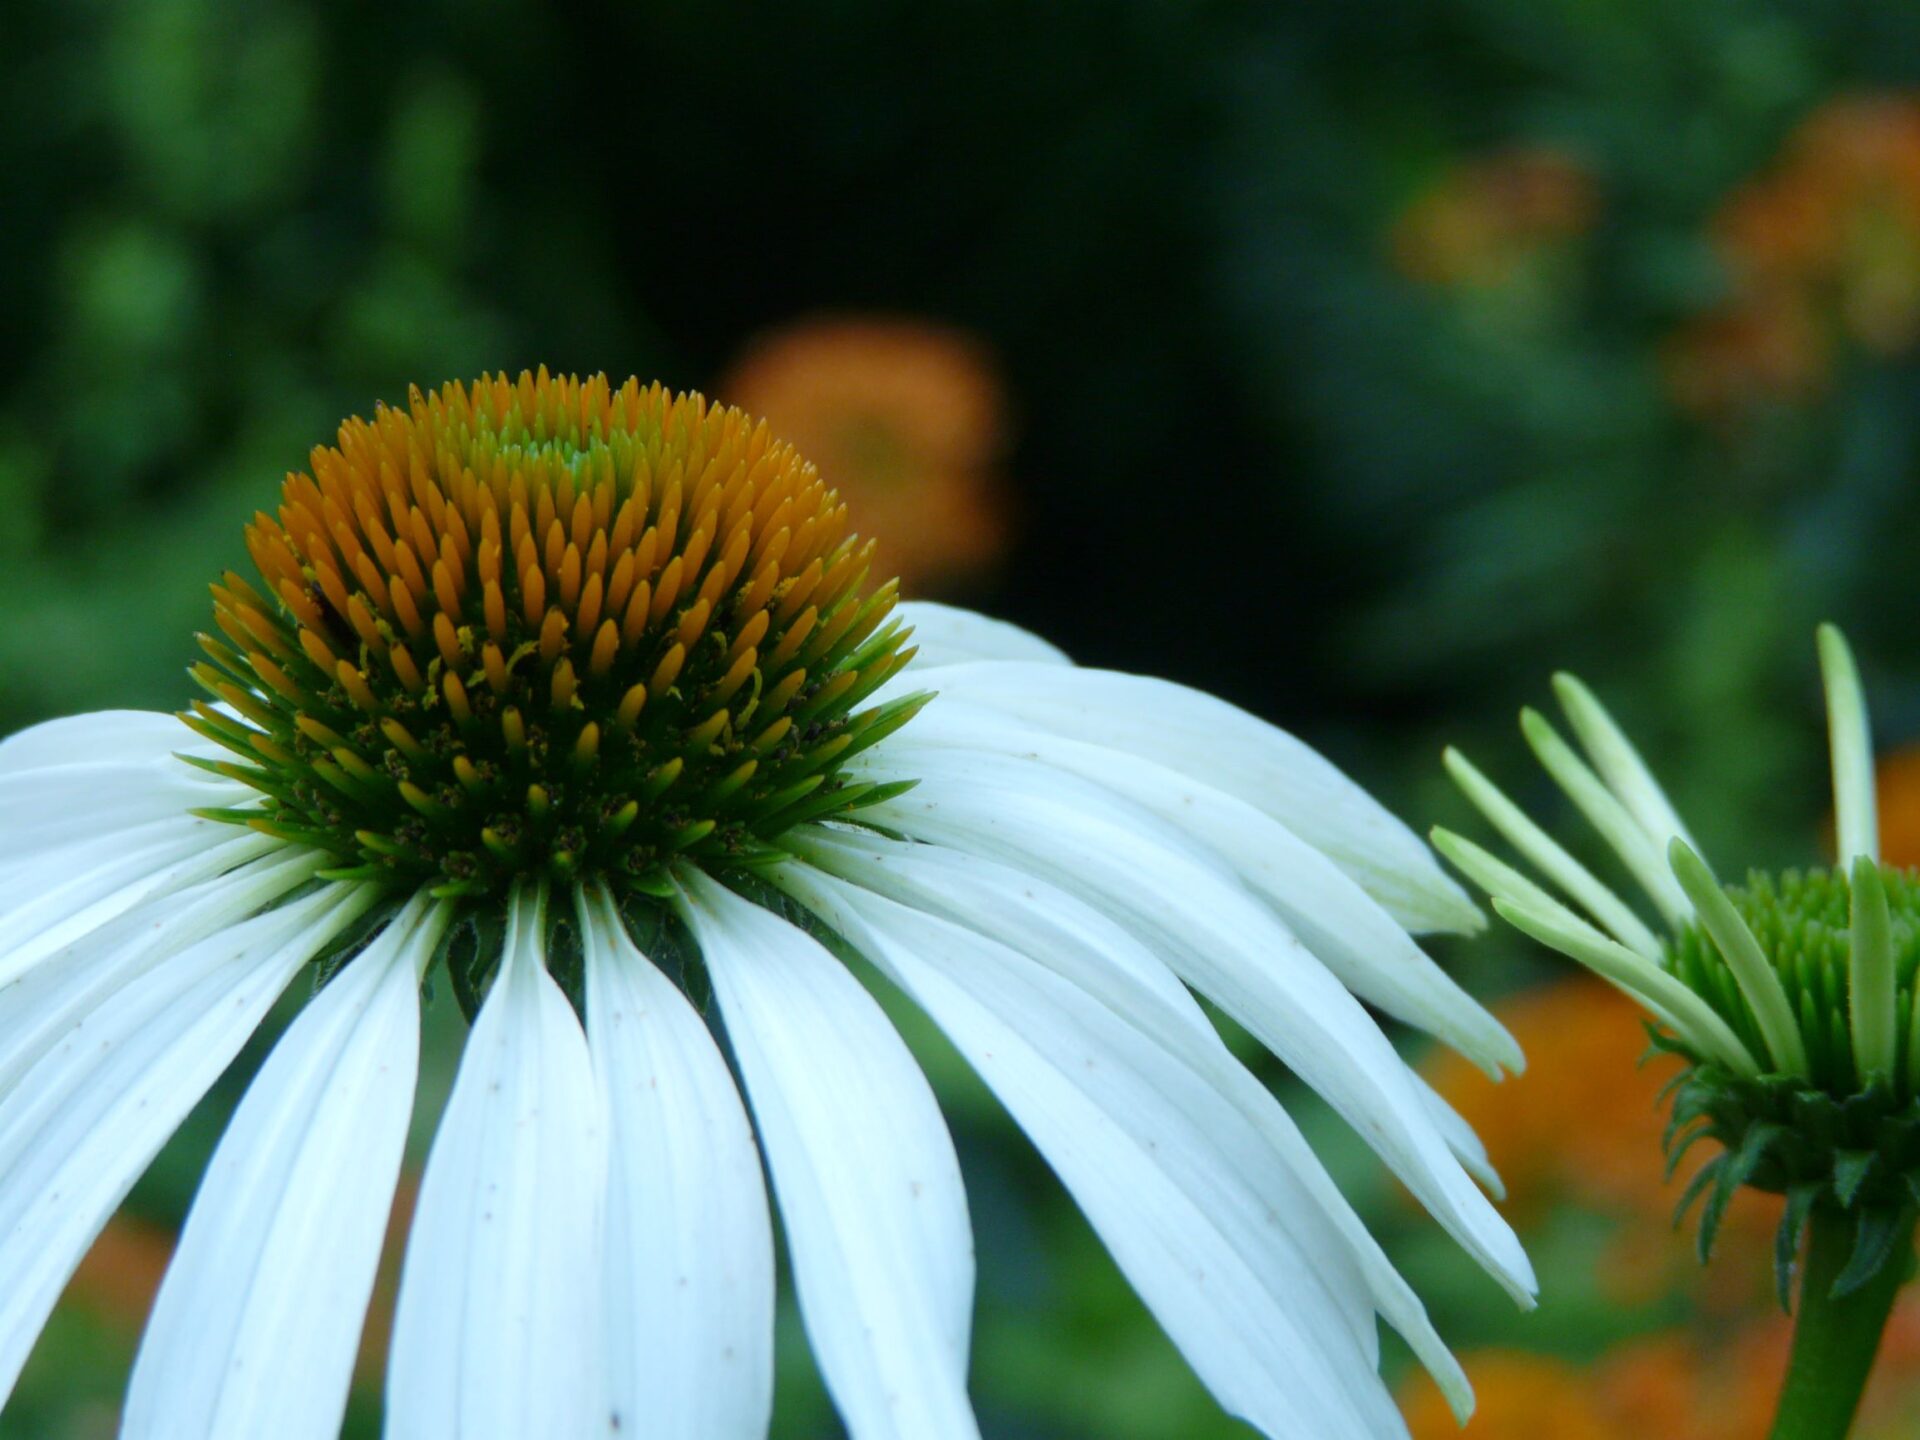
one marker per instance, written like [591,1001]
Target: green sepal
[229,814]
[1702,1178]
[353,872]
[1856,1155]
[1786,1239]
[1850,1171]
[832,800]
[1677,1153]
[1673,1082]
[1876,1234]
[348,944]
[1691,1104]
[566,957]
[471,950]
[655,882]
[1736,1168]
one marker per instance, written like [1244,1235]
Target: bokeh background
[1361,363]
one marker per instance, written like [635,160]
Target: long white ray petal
[1217,743]
[1219,939]
[41,888]
[255,1327]
[948,635]
[78,739]
[495,1333]
[689,1264]
[93,1112]
[56,901]
[1350,932]
[1100,957]
[864,1171]
[51,807]
[1251,1282]
[39,1008]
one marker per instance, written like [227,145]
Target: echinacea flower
[1790,998]
[575,695]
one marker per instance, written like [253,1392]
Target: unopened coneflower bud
[1793,998]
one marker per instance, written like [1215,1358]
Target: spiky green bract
[1857,1156]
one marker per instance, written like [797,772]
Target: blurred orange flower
[1770,345]
[1486,218]
[1675,1385]
[1898,784]
[1517,1397]
[1822,250]
[907,419]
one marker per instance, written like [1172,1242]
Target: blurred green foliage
[1259,449]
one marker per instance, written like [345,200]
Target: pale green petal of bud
[1852,741]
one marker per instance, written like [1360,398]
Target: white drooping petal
[58,899]
[496,1332]
[52,807]
[1344,926]
[948,635]
[1101,958]
[90,1114]
[864,1171]
[1218,938]
[1211,1227]
[40,1007]
[1461,1139]
[126,735]
[256,1325]
[1204,737]
[689,1244]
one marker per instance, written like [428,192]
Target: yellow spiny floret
[640,608]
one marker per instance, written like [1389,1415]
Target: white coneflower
[1794,1000]
[576,694]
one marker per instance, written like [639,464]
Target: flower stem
[1835,1341]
